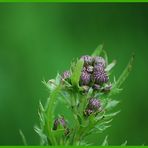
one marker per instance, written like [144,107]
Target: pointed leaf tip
[23,137]
[125,73]
[98,50]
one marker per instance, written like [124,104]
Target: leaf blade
[23,137]
[125,73]
[77,73]
[98,50]
[105,142]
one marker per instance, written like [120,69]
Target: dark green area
[39,40]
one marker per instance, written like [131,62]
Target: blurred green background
[39,40]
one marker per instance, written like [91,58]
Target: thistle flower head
[85,78]
[58,122]
[99,75]
[94,104]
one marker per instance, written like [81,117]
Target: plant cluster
[86,89]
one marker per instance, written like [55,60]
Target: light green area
[39,40]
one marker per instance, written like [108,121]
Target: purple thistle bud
[66,75]
[59,121]
[94,104]
[98,67]
[99,75]
[99,61]
[85,78]
[88,60]
[96,87]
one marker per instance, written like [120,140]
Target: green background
[39,40]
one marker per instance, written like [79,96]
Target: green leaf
[125,73]
[111,104]
[58,133]
[110,66]
[124,144]
[77,73]
[43,137]
[53,83]
[105,142]
[101,128]
[23,137]
[50,85]
[98,50]
[110,115]
[84,143]
[41,113]
[115,91]
[50,105]
[105,56]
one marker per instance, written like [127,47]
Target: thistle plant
[87,91]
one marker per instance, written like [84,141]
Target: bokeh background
[40,39]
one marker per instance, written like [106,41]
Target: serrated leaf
[77,73]
[43,137]
[50,105]
[105,142]
[98,50]
[101,128]
[49,114]
[106,122]
[110,115]
[125,73]
[115,91]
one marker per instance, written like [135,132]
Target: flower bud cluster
[93,73]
